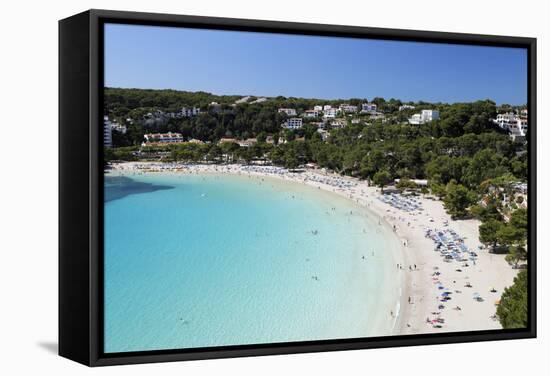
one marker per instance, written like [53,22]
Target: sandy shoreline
[421,295]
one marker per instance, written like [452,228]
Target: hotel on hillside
[163,138]
[515,125]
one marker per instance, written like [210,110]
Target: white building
[518,128]
[505,120]
[515,125]
[107,133]
[293,123]
[523,125]
[330,113]
[424,117]
[327,107]
[288,111]
[163,138]
[406,107]
[369,108]
[311,113]
[429,115]
[415,119]
[318,108]
[348,108]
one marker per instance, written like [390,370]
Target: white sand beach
[439,294]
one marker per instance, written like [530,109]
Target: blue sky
[244,63]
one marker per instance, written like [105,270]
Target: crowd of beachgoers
[436,262]
[398,201]
[452,249]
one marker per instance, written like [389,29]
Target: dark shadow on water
[50,347]
[117,187]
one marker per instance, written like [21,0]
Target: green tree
[381,179]
[512,310]
[518,219]
[261,137]
[291,158]
[457,200]
[230,149]
[215,153]
[290,135]
[486,164]
[405,184]
[508,235]
[516,254]
[491,210]
[488,232]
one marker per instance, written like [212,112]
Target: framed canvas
[235,187]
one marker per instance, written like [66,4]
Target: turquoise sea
[213,260]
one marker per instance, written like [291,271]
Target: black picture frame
[81,182]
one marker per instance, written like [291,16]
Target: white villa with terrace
[369,108]
[331,113]
[424,117]
[311,113]
[348,108]
[293,123]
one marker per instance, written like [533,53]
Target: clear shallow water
[205,260]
